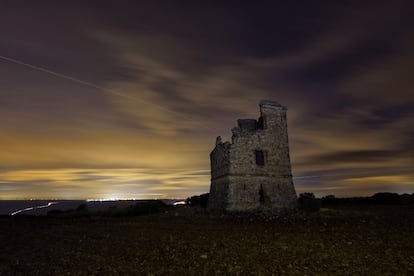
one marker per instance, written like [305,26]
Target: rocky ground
[368,240]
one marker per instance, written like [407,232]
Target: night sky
[118,99]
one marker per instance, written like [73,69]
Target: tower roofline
[272,105]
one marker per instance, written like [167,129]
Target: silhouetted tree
[329,199]
[386,198]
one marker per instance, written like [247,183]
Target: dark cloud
[385,116]
[362,156]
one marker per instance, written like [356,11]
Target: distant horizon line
[92,199]
[177,198]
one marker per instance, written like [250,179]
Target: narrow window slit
[260,158]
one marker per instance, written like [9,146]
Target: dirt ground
[368,240]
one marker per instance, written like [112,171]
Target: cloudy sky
[124,99]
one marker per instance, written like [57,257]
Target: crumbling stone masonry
[253,172]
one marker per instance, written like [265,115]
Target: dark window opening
[261,124]
[260,158]
[261,195]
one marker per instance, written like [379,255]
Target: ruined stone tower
[253,172]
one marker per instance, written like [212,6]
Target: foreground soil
[373,240]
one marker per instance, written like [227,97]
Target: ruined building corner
[253,172]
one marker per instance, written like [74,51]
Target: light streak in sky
[33,208]
[86,83]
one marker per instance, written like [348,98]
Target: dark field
[364,240]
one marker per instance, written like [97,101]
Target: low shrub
[198,200]
[308,203]
[145,207]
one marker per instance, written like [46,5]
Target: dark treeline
[142,207]
[378,198]
[306,202]
[309,203]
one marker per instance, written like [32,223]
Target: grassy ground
[370,240]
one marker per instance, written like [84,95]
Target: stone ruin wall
[238,183]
